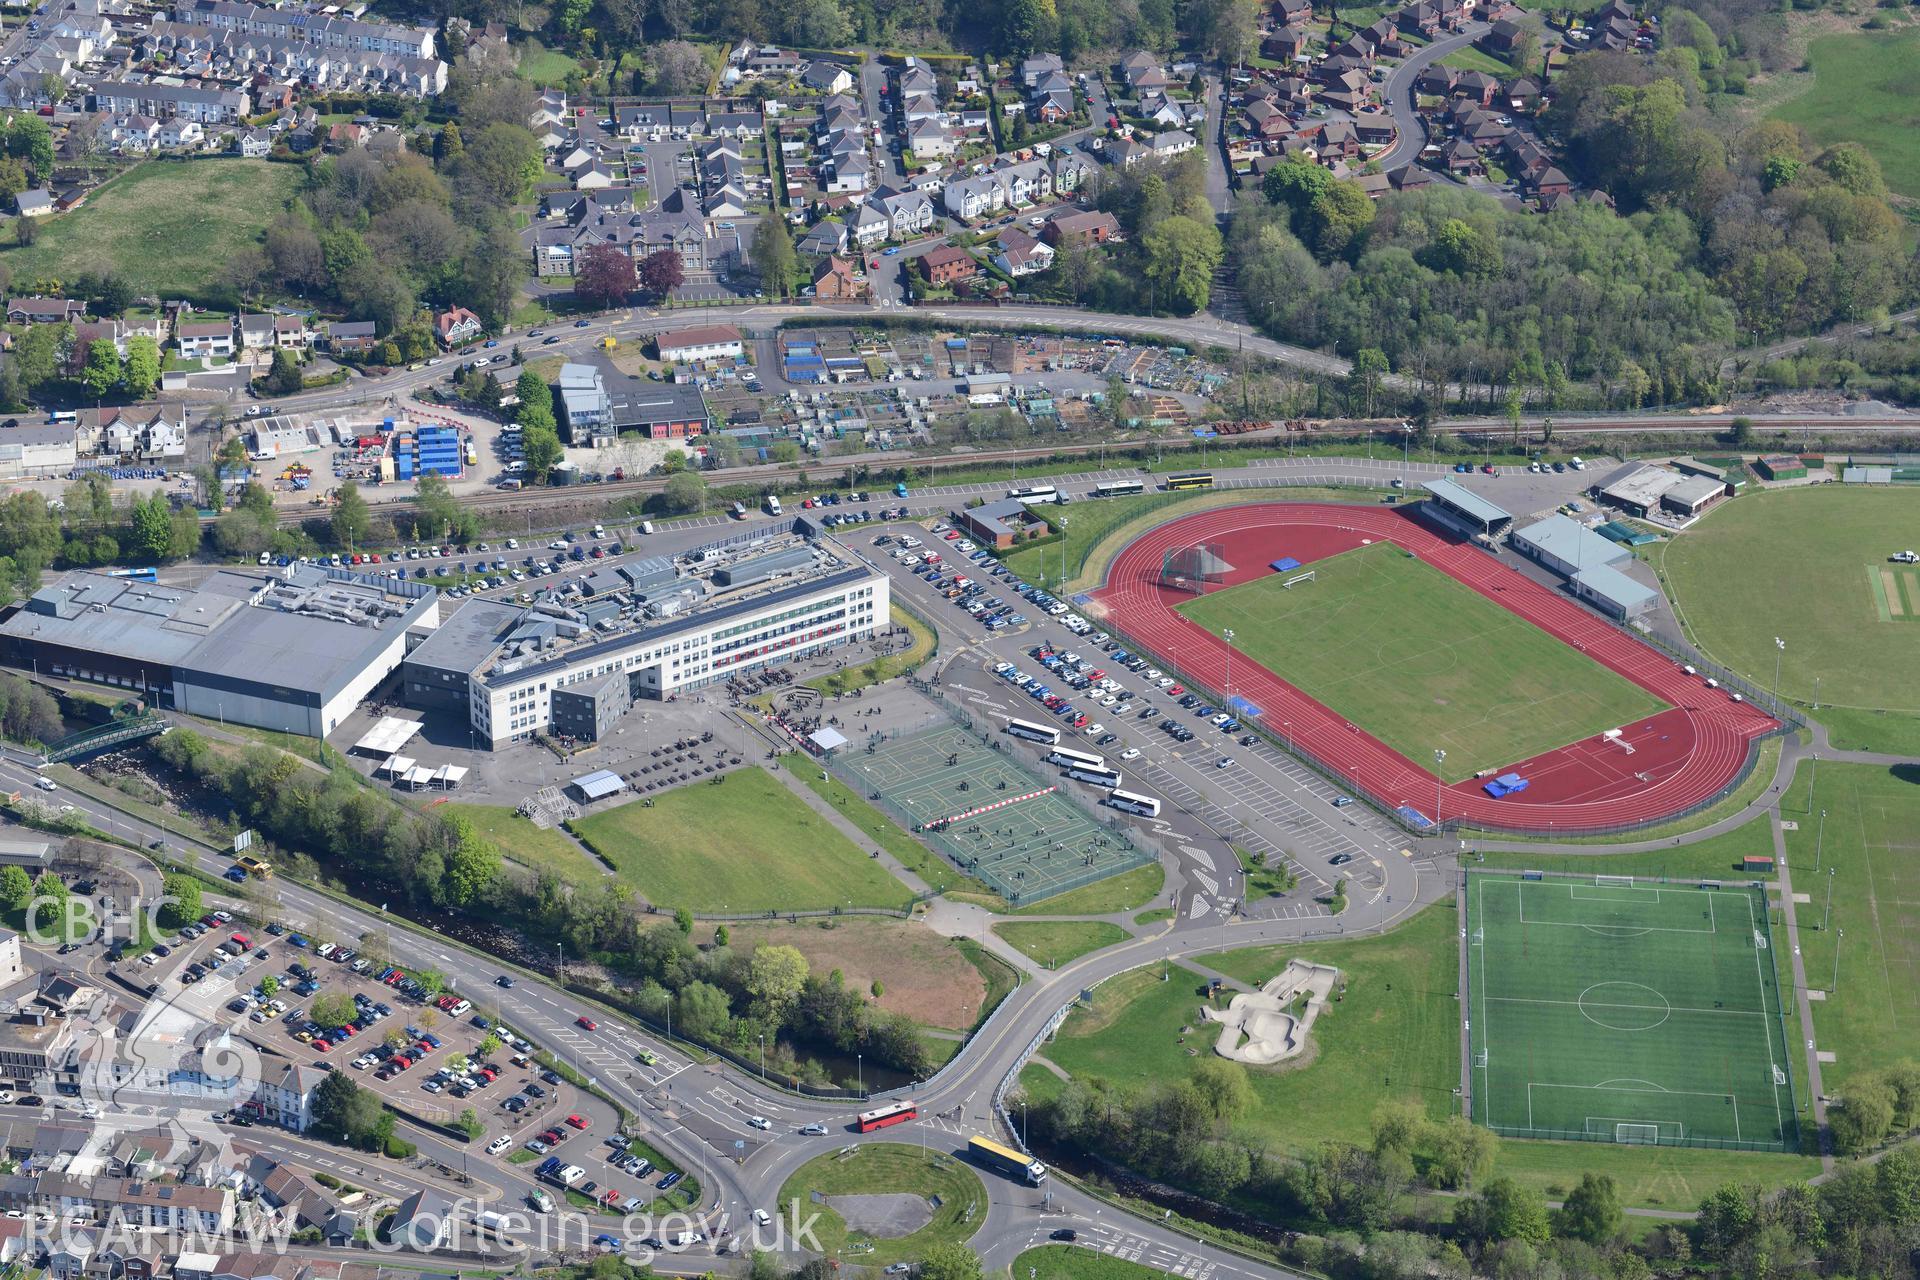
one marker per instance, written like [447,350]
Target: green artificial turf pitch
[1618,1012]
[1422,661]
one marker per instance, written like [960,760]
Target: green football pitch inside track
[1620,1010]
[1421,661]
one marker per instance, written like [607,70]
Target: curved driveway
[1409,130]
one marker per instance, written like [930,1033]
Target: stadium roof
[1572,543]
[1465,500]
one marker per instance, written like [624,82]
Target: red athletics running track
[1681,757]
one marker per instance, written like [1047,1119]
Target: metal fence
[1573,1135]
[1109,820]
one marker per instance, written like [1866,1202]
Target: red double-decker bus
[892,1113]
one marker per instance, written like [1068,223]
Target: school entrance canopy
[387,736]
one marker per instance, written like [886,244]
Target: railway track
[523,499]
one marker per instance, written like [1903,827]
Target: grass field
[938,874]
[1065,1262]
[1472,59]
[1863,92]
[1817,546]
[161,226]
[888,1168]
[921,973]
[882,668]
[1872,849]
[1055,942]
[1264,880]
[1392,1036]
[1124,892]
[1715,858]
[745,843]
[1422,661]
[530,846]
[1648,1011]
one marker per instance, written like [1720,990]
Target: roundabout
[886,1202]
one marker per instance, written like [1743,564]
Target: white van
[646,527]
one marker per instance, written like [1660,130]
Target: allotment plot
[1610,1009]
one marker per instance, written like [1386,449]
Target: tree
[1345,1185]
[1369,364]
[183,902]
[1591,1211]
[141,370]
[1461,1152]
[540,450]
[350,516]
[773,256]
[1524,56]
[676,68]
[775,976]
[331,1010]
[150,526]
[101,373]
[269,986]
[605,277]
[1861,1116]
[685,492]
[536,400]
[1181,257]
[702,1012]
[471,865]
[16,888]
[950,1262]
[436,505]
[1503,1210]
[661,272]
[1026,25]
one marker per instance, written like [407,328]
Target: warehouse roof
[1571,543]
[1611,584]
[1641,487]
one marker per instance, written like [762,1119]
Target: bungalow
[593,177]
[201,338]
[1168,145]
[744,125]
[1019,254]
[826,77]
[705,342]
[948,265]
[834,281]
[45,309]
[456,326]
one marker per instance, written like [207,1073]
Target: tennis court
[1611,1009]
[985,812]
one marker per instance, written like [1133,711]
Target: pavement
[1409,129]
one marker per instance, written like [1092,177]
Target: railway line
[1670,424]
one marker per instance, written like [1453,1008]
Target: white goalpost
[1618,882]
[1296,580]
[1640,1134]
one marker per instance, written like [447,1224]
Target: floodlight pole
[1828,916]
[1439,759]
[1227,636]
[1779,647]
[1819,840]
[1837,940]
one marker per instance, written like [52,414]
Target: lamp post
[1819,840]
[1227,636]
[1779,647]
[859,1075]
[763,1055]
[1439,758]
[1827,916]
[1837,940]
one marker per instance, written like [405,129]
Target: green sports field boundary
[1626,1009]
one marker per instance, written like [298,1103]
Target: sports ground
[993,818]
[1394,644]
[1613,1010]
[1678,743]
